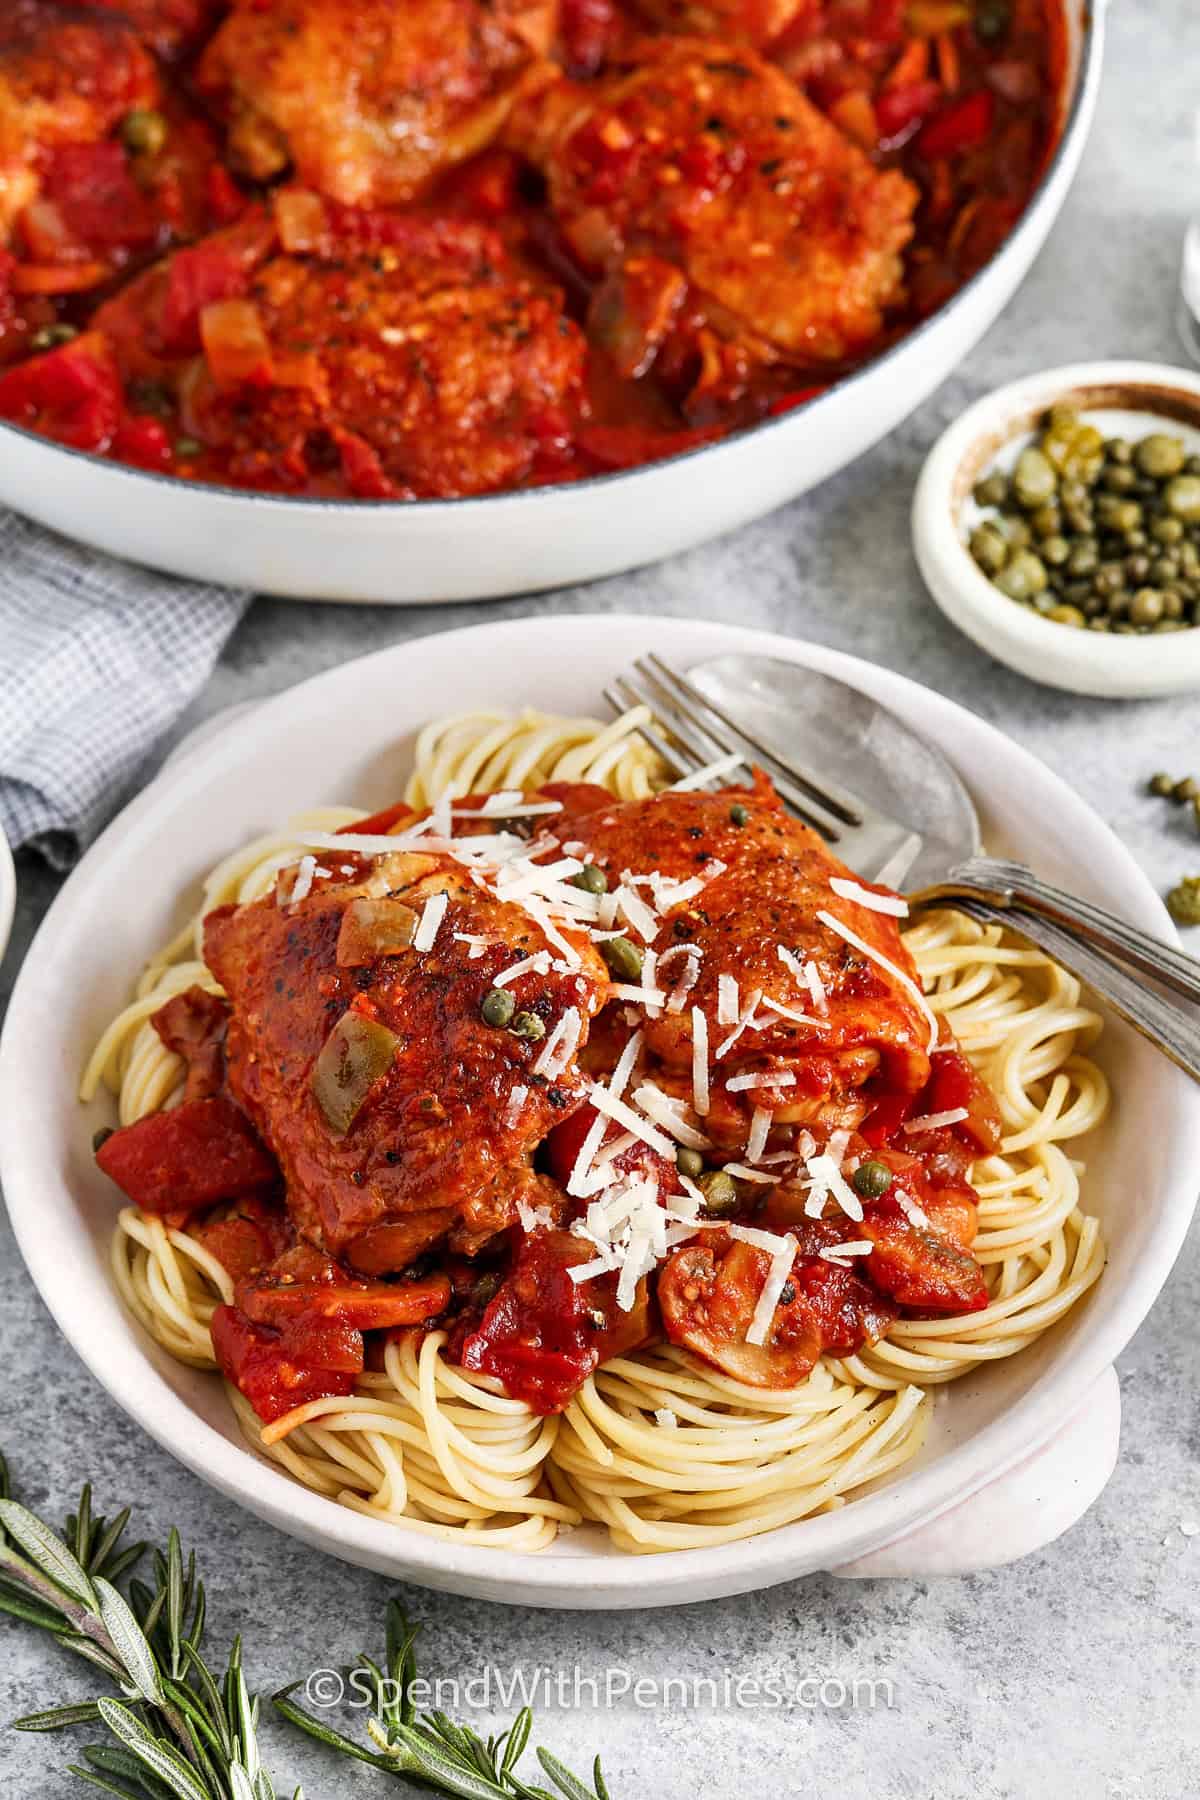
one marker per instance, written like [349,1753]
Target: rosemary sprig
[180,1732]
[430,1748]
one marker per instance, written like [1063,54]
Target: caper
[624,958]
[1164,569]
[1046,521]
[1183,498]
[591,878]
[1172,603]
[1099,624]
[1120,450]
[1146,607]
[1160,456]
[498,1007]
[1083,558]
[1034,480]
[1183,901]
[992,20]
[1121,515]
[1136,539]
[1067,615]
[1024,577]
[739,815]
[719,1190]
[1196,809]
[143,131]
[1119,479]
[1138,566]
[527,1025]
[689,1162]
[1055,550]
[871,1179]
[1187,789]
[1161,785]
[1109,579]
[1167,530]
[991,491]
[188,446]
[52,337]
[1017,532]
[485,1288]
[989,547]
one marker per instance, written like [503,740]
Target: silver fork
[692,730]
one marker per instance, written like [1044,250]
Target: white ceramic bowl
[346,736]
[8,892]
[1124,399]
[387,551]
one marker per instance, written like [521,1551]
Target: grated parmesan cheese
[561,1045]
[738,1084]
[906,982]
[700,1093]
[724,765]
[772,1288]
[933,1121]
[865,897]
[432,914]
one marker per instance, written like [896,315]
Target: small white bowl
[1125,399]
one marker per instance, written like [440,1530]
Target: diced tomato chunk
[965,124]
[72,394]
[271,1369]
[587,27]
[543,1334]
[143,441]
[218,269]
[245,1237]
[98,200]
[193,1156]
[902,109]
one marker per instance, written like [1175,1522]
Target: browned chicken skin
[441,1146]
[774,882]
[705,158]
[63,81]
[366,99]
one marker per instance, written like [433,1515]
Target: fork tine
[727,740]
[621,697]
[691,749]
[839,801]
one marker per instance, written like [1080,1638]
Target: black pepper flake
[695,831]
[357,1177]
[787,1293]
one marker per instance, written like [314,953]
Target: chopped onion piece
[374,928]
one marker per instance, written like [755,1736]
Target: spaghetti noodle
[663,1450]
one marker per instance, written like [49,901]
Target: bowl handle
[1022,1510]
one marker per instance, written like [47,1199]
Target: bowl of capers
[1057,523]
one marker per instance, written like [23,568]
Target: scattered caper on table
[1095,533]
[1183,901]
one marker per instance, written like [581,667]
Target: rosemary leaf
[129,1641]
[108,1787]
[58,1717]
[157,1755]
[47,1553]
